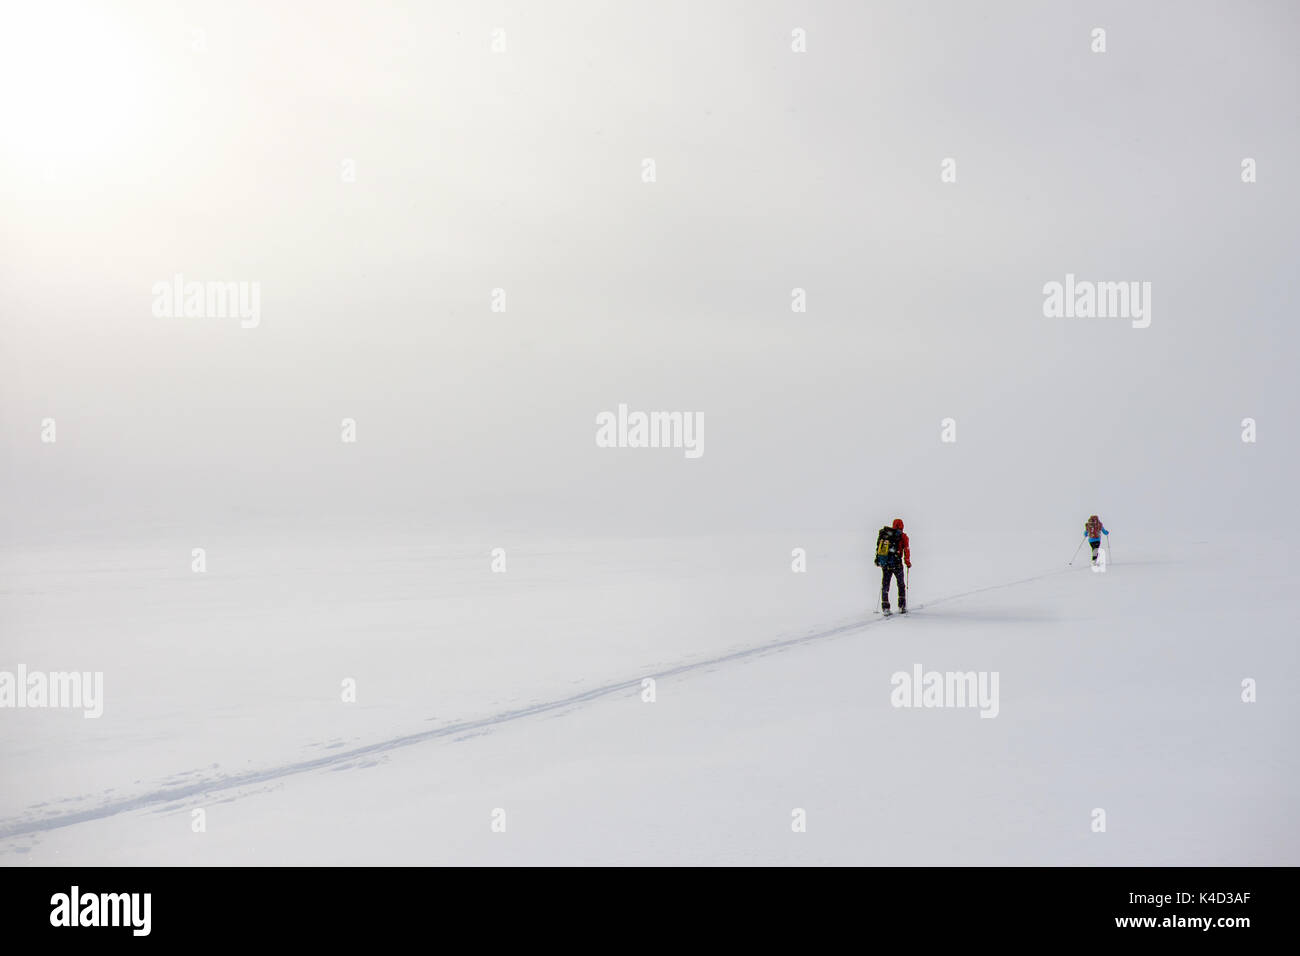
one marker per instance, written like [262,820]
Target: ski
[912,609]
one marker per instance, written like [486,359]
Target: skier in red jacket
[1093,529]
[893,553]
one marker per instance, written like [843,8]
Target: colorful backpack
[1093,527]
[887,546]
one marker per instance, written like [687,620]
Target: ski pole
[1076,550]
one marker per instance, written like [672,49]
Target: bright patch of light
[71,89]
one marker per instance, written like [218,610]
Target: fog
[379,172]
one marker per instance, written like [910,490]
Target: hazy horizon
[146,141]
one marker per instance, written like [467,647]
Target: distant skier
[1094,529]
[893,553]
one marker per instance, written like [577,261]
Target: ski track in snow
[34,825]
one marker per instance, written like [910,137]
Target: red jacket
[906,546]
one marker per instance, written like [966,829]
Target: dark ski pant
[1096,543]
[884,587]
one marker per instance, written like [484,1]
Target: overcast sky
[217,141]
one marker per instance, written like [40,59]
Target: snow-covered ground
[517,699]
[424,250]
